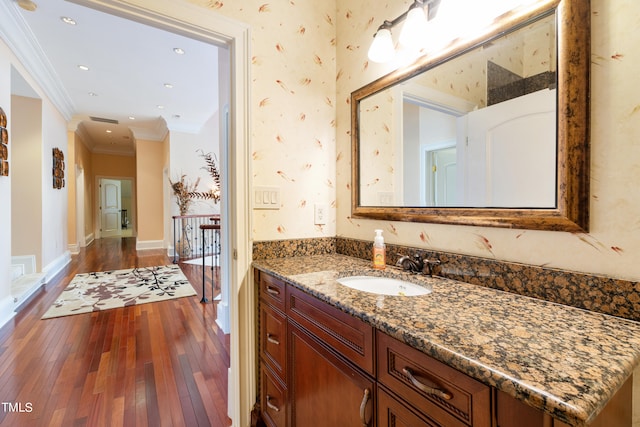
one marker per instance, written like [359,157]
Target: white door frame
[205,24]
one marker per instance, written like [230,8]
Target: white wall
[185,159]
[6,302]
[54,201]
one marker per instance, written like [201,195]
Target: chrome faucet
[417,264]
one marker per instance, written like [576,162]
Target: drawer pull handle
[272,340]
[363,407]
[271,405]
[272,291]
[427,389]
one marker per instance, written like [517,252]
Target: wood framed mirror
[444,140]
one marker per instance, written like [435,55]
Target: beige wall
[109,165]
[150,208]
[27,177]
[72,235]
[83,158]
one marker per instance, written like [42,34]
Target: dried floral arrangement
[186,192]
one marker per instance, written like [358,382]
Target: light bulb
[413,31]
[381,49]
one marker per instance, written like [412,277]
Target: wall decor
[4,144]
[58,168]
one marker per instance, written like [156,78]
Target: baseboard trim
[223,317]
[6,310]
[142,245]
[56,266]
[88,239]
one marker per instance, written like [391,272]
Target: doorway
[200,23]
[116,207]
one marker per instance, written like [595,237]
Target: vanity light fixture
[412,34]
[422,33]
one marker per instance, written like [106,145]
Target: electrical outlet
[320,214]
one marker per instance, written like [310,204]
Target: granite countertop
[565,361]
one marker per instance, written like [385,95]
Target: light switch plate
[266,198]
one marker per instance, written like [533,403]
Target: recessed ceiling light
[178,50]
[27,5]
[93,94]
[160,107]
[131,118]
[176,116]
[83,67]
[168,85]
[68,20]
[109,131]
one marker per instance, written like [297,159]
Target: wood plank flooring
[155,364]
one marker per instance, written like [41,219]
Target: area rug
[97,291]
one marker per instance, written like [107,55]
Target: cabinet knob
[434,391]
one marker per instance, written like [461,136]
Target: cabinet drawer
[344,333]
[272,290]
[273,398]
[273,339]
[465,402]
[393,413]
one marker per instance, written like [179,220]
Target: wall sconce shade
[413,31]
[411,37]
[382,49]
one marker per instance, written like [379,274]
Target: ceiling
[134,78]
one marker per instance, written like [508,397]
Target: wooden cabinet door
[393,413]
[273,339]
[325,390]
[273,398]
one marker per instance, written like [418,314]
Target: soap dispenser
[379,251]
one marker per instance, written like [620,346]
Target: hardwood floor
[155,364]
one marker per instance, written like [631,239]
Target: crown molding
[20,39]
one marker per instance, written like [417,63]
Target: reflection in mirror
[491,130]
[476,131]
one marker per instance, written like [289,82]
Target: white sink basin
[384,286]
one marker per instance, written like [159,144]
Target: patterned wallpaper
[309,56]
[292,110]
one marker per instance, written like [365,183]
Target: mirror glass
[478,130]
[490,131]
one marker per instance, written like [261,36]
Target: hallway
[152,364]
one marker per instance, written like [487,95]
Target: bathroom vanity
[462,355]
